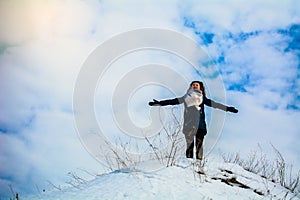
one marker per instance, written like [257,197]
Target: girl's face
[195,86]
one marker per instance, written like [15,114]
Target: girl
[194,115]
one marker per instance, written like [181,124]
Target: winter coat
[194,118]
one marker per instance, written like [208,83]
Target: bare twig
[276,172]
[12,190]
[54,186]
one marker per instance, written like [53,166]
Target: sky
[44,46]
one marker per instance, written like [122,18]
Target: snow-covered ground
[183,181]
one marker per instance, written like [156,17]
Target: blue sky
[254,45]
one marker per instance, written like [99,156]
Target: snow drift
[184,180]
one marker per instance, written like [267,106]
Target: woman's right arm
[166,102]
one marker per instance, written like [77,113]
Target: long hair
[202,88]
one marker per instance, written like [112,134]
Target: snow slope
[182,181]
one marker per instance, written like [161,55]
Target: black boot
[189,151]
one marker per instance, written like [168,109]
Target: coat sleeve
[214,104]
[171,101]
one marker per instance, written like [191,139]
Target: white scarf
[193,98]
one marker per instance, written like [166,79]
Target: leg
[199,146]
[189,138]
[189,151]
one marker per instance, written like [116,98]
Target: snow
[182,181]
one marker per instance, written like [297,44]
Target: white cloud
[241,16]
[248,38]
[38,73]
[255,125]
[29,20]
[45,151]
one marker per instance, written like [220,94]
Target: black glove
[154,103]
[232,109]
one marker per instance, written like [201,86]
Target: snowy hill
[181,181]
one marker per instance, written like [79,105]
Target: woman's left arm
[220,106]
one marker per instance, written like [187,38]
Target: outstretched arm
[165,102]
[220,106]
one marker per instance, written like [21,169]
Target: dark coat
[194,119]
